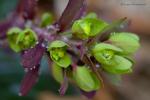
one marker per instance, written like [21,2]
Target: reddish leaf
[89,95]
[74,9]
[64,84]
[3,28]
[27,8]
[29,81]
[33,56]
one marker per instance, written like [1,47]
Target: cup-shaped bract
[57,50]
[127,41]
[27,39]
[12,35]
[108,56]
[85,79]
[103,52]
[88,27]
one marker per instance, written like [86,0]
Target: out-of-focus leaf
[27,8]
[29,81]
[72,10]
[32,57]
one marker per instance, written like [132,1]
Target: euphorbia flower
[58,53]
[111,59]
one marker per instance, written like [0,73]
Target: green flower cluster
[21,39]
[83,76]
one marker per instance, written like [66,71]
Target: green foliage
[58,53]
[127,41]
[46,19]
[85,79]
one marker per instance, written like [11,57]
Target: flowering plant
[79,46]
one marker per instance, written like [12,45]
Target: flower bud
[86,80]
[88,27]
[57,73]
[27,39]
[127,41]
[47,19]
[12,35]
[58,53]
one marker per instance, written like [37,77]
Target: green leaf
[12,35]
[57,73]
[88,27]
[85,80]
[26,39]
[56,44]
[126,41]
[119,65]
[47,19]
[63,62]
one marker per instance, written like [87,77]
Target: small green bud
[47,19]
[85,79]
[58,53]
[120,65]
[12,35]
[103,52]
[27,39]
[57,73]
[88,27]
[127,41]
[91,15]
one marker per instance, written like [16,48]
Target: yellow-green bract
[88,27]
[12,35]
[109,56]
[127,41]
[58,53]
[27,39]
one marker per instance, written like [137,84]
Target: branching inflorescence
[79,47]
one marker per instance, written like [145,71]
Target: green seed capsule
[86,80]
